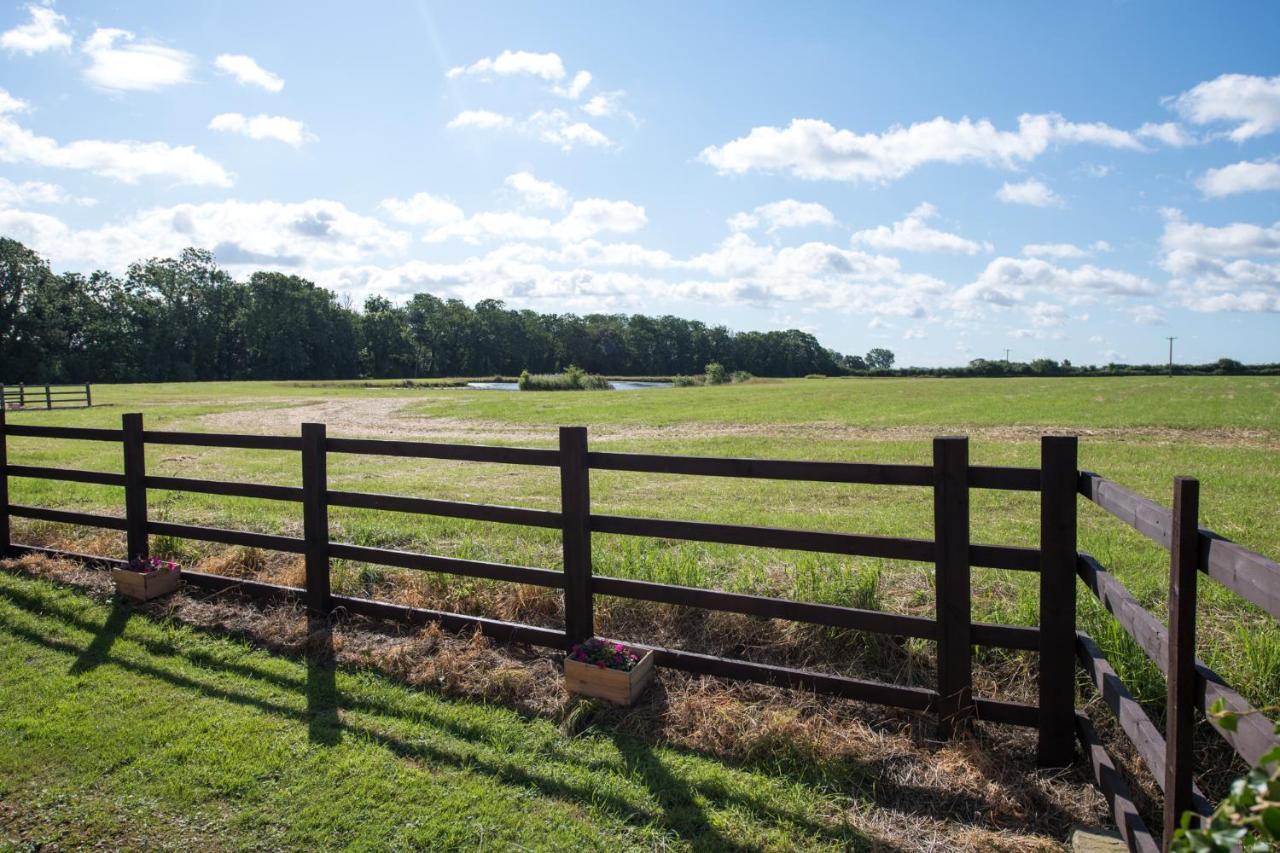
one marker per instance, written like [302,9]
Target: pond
[615,384]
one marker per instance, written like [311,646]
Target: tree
[880,359]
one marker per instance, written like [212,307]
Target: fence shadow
[323,725]
[104,638]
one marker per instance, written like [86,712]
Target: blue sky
[1064,180]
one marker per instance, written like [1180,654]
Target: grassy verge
[119,730]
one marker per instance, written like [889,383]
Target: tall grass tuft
[573,379]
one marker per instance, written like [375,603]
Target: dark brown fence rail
[22,396]
[1059,646]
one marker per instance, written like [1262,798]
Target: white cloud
[574,90]
[1241,177]
[1147,315]
[787,213]
[248,72]
[604,104]
[483,119]
[585,218]
[422,209]
[1006,281]
[43,32]
[548,66]
[911,234]
[1030,192]
[1251,103]
[259,234]
[1168,133]
[125,161]
[286,130]
[1223,268]
[11,104]
[538,193]
[1064,251]
[1046,315]
[37,192]
[814,150]
[556,127]
[119,62]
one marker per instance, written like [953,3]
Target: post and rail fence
[951,477]
[23,396]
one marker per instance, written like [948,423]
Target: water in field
[615,384]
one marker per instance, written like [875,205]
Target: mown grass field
[1140,431]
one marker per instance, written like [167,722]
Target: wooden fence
[950,478]
[23,396]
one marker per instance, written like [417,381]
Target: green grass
[119,730]
[1224,430]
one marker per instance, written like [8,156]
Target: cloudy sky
[948,180]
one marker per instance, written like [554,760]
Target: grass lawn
[123,731]
[1140,431]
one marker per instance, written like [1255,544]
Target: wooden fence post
[575,508]
[315,518]
[88,398]
[1184,541]
[22,395]
[48,396]
[1058,485]
[135,488]
[952,582]
[5,541]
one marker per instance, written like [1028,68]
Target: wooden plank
[1254,736]
[1003,478]
[575,512]
[266,541]
[62,516]
[54,553]
[1142,514]
[1012,557]
[506,632]
[1055,746]
[460,452]
[1021,637]
[1244,572]
[952,587]
[5,537]
[1009,713]
[874,692]
[1180,703]
[448,565]
[1134,722]
[218,487]
[70,475]
[920,550]
[75,433]
[767,469]
[770,608]
[448,509]
[218,439]
[135,487]
[1113,787]
[315,518]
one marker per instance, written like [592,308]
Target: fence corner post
[953,607]
[1058,485]
[1184,545]
[575,509]
[5,541]
[135,487]
[315,518]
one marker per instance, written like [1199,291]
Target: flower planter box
[144,586]
[620,686]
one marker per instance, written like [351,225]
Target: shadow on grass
[104,638]
[680,808]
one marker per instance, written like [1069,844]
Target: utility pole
[1006,358]
[1171,340]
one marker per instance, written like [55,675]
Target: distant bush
[716,374]
[573,379]
[815,376]
[742,376]
[685,381]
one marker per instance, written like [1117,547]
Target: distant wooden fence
[46,396]
[951,551]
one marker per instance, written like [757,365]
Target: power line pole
[1006,358]
[1171,340]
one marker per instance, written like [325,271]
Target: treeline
[1050,367]
[186,319]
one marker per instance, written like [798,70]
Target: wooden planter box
[615,685]
[144,587]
